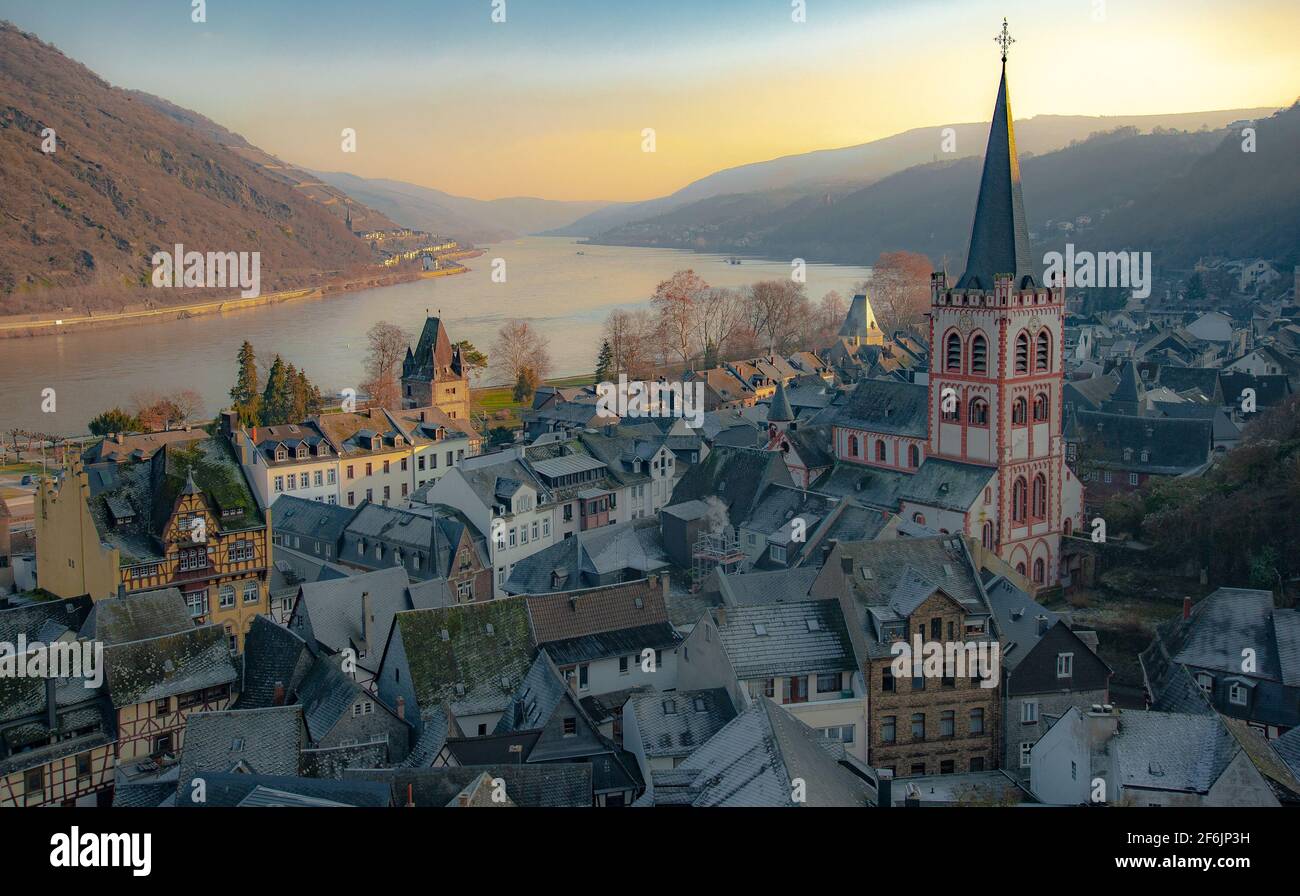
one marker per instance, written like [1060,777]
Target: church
[977,450]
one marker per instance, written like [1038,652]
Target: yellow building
[184,519]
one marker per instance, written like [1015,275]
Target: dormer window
[302,451]
[281,453]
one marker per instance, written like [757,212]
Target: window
[279,483]
[583,682]
[570,726]
[977,721]
[1237,694]
[1026,751]
[1029,712]
[1018,500]
[1064,665]
[953,358]
[241,551]
[889,729]
[947,766]
[1040,572]
[370,469]
[887,679]
[1132,478]
[1041,407]
[913,456]
[318,478]
[769,688]
[880,451]
[546,528]
[83,765]
[227,598]
[1022,352]
[918,726]
[1043,352]
[979,354]
[302,480]
[986,535]
[465,592]
[1040,497]
[842,733]
[1019,411]
[350,473]
[252,594]
[622,665]
[1205,682]
[198,602]
[918,768]
[979,412]
[952,415]
[796,689]
[853,446]
[948,723]
[162,707]
[35,780]
[827,684]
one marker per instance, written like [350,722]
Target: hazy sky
[553,101]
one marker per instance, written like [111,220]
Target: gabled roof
[141,671]
[313,519]
[756,588]
[779,639]
[1172,751]
[135,617]
[999,242]
[272,655]
[1172,446]
[948,484]
[229,789]
[1231,619]
[257,741]
[539,785]
[559,617]
[753,761]
[677,723]
[477,666]
[32,620]
[887,406]
[334,608]
[327,695]
[735,475]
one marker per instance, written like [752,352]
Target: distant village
[867,580]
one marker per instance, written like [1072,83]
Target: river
[564,294]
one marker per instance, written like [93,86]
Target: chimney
[722,615]
[846,565]
[410,796]
[366,618]
[1103,723]
[1187,608]
[1042,624]
[119,437]
[278,699]
[401,708]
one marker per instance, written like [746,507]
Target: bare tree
[776,310]
[387,348]
[831,311]
[519,349]
[676,302]
[644,345]
[720,315]
[899,290]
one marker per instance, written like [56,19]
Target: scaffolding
[715,550]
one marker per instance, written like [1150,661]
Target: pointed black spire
[780,412]
[999,240]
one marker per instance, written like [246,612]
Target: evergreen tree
[277,397]
[114,420]
[525,384]
[244,396]
[605,363]
[307,399]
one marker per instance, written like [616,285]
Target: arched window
[954,415]
[1041,407]
[979,412]
[1018,500]
[1040,571]
[1020,568]
[853,446]
[1043,354]
[1019,412]
[880,450]
[913,456]
[979,354]
[1040,497]
[918,518]
[953,362]
[1022,352]
[1069,526]
[986,536]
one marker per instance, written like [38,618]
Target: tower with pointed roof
[434,375]
[996,339]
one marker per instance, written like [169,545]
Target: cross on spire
[1004,40]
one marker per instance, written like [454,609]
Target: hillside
[476,220]
[836,169]
[928,208]
[133,174]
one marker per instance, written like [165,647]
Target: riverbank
[35,325]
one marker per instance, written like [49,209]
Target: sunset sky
[552,103]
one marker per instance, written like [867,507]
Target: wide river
[563,294]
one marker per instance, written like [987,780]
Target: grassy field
[22,469]
[498,404]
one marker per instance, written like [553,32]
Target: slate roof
[1181,379]
[229,789]
[537,785]
[887,406]
[947,483]
[272,654]
[32,620]
[758,588]
[260,741]
[1173,447]
[735,475]
[538,696]
[434,358]
[632,546]
[292,515]
[1230,619]
[136,617]
[1017,619]
[1172,751]
[1288,748]
[999,242]
[864,485]
[752,761]
[437,728]
[779,411]
[326,695]
[140,671]
[333,607]
[473,670]
[677,723]
[779,639]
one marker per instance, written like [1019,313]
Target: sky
[554,101]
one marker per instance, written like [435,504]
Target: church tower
[996,341]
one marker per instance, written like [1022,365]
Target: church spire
[999,241]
